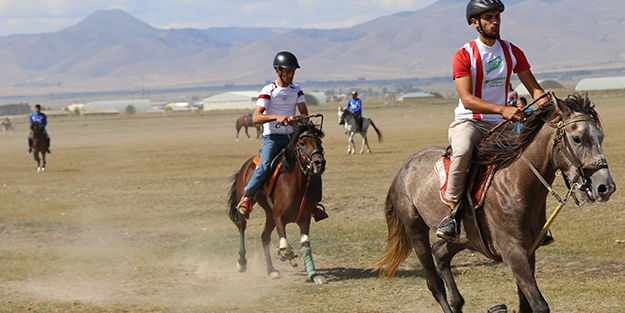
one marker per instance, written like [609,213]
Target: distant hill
[112,50]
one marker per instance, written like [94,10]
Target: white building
[601,83]
[141,105]
[246,100]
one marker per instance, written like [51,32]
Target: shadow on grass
[343,273]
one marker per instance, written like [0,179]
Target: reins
[561,144]
[306,170]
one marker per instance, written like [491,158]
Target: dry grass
[131,217]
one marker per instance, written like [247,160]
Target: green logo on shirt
[493,64]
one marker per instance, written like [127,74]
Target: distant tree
[76,111]
[130,109]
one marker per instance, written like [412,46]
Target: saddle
[275,169]
[250,121]
[479,178]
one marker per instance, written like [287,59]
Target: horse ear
[561,106]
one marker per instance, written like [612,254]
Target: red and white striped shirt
[279,100]
[490,69]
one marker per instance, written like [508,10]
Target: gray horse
[348,120]
[561,135]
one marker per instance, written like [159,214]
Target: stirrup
[446,227]
[322,212]
[249,207]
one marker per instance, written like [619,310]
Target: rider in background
[40,117]
[482,70]
[276,106]
[355,106]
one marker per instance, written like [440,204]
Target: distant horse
[348,120]
[246,121]
[39,145]
[291,201]
[7,127]
[513,211]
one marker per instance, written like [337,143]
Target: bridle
[561,144]
[307,169]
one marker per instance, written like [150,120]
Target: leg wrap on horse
[308,260]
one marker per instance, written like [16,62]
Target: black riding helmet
[285,59]
[477,7]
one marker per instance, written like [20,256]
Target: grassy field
[130,216]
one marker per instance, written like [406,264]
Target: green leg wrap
[308,260]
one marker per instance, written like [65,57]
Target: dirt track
[131,216]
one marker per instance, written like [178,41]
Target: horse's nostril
[602,189]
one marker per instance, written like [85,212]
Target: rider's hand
[284,120]
[513,114]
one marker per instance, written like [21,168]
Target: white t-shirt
[490,69]
[279,100]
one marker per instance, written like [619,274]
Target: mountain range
[112,50]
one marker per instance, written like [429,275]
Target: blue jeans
[272,144]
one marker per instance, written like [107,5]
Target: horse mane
[349,113]
[501,150]
[301,126]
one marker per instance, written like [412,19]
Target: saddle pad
[479,190]
[272,180]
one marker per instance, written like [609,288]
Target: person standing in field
[482,70]
[276,106]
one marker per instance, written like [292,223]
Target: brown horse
[291,201]
[39,145]
[513,211]
[246,121]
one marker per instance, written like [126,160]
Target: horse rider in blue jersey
[355,106]
[40,117]
[275,109]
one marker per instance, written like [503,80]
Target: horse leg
[306,253]
[242,261]
[419,235]
[351,147]
[238,130]
[248,135]
[523,266]
[444,251]
[36,156]
[266,239]
[43,156]
[364,142]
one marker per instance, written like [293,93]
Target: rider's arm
[464,87]
[44,121]
[303,110]
[532,86]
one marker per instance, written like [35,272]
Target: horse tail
[233,213]
[380,139]
[399,246]
[237,124]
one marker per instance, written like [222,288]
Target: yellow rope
[544,230]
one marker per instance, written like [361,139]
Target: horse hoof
[241,268]
[43,169]
[319,280]
[274,275]
[39,170]
[501,308]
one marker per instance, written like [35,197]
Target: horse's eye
[576,139]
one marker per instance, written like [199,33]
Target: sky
[42,16]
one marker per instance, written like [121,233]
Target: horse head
[306,145]
[35,128]
[577,147]
[341,116]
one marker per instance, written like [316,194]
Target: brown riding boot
[319,212]
[245,206]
